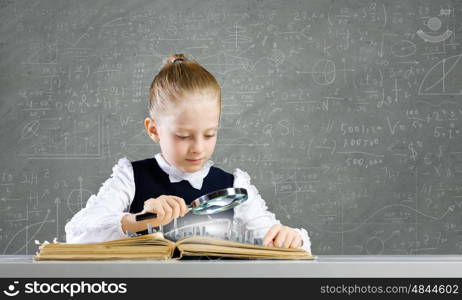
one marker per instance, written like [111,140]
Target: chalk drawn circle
[403,48]
[374,245]
[324,72]
[76,200]
[434,23]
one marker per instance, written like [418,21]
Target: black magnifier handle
[145,216]
[149,215]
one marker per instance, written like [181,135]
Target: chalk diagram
[441,78]
[277,57]
[135,145]
[323,72]
[242,151]
[403,48]
[53,142]
[290,187]
[19,234]
[75,200]
[304,32]
[224,63]
[374,245]
[46,55]
[236,36]
[289,193]
[434,24]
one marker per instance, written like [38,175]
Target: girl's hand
[282,237]
[166,207]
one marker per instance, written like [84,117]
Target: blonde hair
[179,76]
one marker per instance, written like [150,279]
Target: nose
[198,145]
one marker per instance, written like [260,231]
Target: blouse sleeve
[254,214]
[100,219]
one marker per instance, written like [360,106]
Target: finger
[297,242]
[183,206]
[280,238]
[269,236]
[175,207]
[152,204]
[159,210]
[271,244]
[168,212]
[147,206]
[289,238]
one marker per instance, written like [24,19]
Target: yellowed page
[145,246]
[215,247]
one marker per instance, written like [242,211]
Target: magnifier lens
[219,204]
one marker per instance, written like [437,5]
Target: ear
[152,129]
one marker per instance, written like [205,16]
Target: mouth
[194,160]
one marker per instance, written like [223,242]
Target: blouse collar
[176,175]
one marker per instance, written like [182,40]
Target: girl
[184,115]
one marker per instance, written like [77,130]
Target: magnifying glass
[210,203]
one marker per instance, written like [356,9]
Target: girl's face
[187,134]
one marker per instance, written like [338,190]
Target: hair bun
[176,58]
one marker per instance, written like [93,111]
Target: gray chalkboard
[347,114]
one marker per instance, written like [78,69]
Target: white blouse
[100,219]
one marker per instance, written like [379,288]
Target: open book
[155,246]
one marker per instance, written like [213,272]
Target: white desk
[324,266]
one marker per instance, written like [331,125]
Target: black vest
[151,182]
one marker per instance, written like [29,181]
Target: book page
[149,246]
[206,246]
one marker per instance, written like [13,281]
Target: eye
[186,137]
